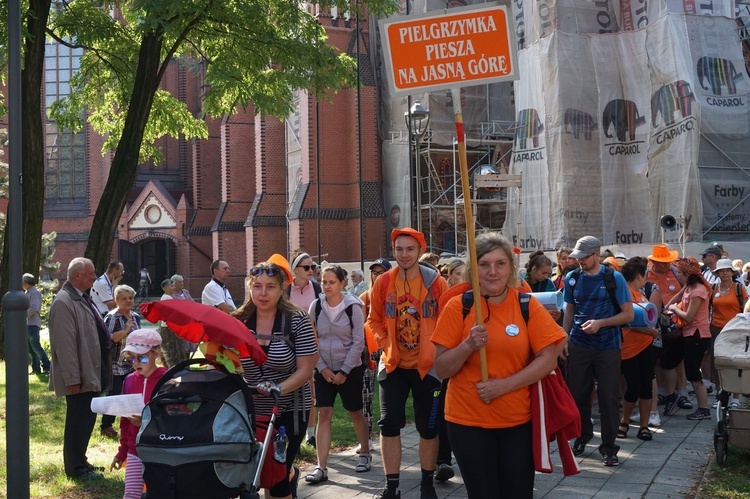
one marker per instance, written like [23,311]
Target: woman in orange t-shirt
[728,299]
[489,423]
[637,365]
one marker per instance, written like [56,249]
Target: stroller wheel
[722,448]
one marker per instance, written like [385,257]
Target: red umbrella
[196,322]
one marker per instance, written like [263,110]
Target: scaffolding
[440,200]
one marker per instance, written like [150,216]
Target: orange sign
[448,49]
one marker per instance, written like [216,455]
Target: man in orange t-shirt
[403,314]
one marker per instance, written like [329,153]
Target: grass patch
[46,427]
[731,480]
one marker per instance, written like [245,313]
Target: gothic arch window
[65,170]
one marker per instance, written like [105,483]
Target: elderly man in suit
[80,368]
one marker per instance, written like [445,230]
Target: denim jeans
[39,359]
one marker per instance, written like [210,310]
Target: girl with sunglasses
[142,348]
[286,334]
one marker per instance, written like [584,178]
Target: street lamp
[417,120]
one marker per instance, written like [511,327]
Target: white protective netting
[609,120]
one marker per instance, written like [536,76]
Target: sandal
[318,475]
[623,433]
[645,434]
[365,463]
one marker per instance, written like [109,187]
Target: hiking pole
[469,216]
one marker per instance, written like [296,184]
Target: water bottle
[280,443]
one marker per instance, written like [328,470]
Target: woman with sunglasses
[489,422]
[302,291]
[339,323]
[286,334]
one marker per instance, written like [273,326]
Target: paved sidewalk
[669,466]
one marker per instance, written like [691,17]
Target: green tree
[249,53]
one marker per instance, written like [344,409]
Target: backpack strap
[648,288]
[467,301]
[741,302]
[609,284]
[319,308]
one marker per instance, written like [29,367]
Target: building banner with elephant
[621,117]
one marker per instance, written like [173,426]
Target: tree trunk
[124,169]
[33,137]
[32,150]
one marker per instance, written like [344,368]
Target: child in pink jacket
[142,348]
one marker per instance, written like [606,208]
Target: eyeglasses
[270,270]
[377,273]
[142,359]
[308,267]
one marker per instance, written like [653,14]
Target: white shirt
[215,293]
[102,291]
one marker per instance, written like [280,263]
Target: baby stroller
[732,359]
[197,437]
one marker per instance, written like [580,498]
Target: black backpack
[609,284]
[197,436]
[348,310]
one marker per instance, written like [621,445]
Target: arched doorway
[154,253]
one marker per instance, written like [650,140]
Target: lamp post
[417,120]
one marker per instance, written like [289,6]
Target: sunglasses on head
[142,359]
[270,270]
[308,267]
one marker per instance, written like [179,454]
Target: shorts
[394,392]
[350,391]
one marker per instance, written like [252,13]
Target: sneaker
[311,441]
[635,417]
[610,459]
[670,405]
[386,494]
[710,389]
[444,472]
[579,446]
[660,399]
[699,414]
[715,404]
[427,490]
[684,403]
[654,420]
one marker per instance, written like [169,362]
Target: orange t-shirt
[667,282]
[408,309]
[510,348]
[726,306]
[633,341]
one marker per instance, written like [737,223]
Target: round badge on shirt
[511,330]
[572,281]
[671,287]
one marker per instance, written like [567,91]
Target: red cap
[408,231]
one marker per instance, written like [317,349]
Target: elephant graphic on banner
[528,126]
[579,122]
[623,114]
[670,98]
[719,73]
